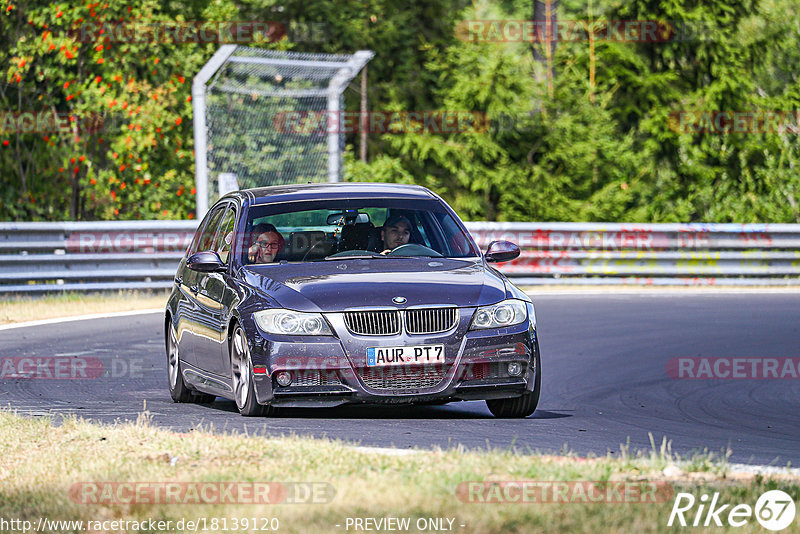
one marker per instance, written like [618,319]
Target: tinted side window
[456,240]
[195,240]
[224,238]
[206,240]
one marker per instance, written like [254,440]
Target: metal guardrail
[649,254]
[90,256]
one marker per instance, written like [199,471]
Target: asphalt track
[605,382]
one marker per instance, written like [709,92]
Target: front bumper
[331,370]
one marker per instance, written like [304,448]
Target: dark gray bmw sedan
[323,294]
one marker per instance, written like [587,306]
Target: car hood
[338,285]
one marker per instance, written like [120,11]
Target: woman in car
[267,243]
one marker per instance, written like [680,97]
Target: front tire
[242,373]
[520,407]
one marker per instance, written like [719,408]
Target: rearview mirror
[501,251]
[205,262]
[348,217]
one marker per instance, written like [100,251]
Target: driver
[396,231]
[266,245]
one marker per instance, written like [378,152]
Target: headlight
[278,321]
[506,313]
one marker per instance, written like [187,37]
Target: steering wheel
[413,249]
[323,242]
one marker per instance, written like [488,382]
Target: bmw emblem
[399,300]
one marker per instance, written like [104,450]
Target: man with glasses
[267,244]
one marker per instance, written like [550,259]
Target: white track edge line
[88,317]
[533,293]
[755,469]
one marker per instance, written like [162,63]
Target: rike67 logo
[774,510]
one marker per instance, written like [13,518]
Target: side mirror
[500,251]
[205,262]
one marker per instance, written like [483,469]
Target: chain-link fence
[261,118]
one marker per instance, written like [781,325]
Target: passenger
[267,244]
[396,231]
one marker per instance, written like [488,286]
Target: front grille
[430,320]
[313,377]
[402,377]
[373,323]
[478,371]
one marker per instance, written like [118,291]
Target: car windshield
[343,229]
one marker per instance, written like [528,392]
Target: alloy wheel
[172,357]
[240,368]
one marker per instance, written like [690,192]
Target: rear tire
[178,389]
[243,379]
[519,407]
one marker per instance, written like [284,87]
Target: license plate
[415,354]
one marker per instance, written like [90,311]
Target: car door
[211,350]
[185,308]
[197,315]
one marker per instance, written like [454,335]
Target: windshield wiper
[413,256]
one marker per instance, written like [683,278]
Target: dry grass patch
[43,467]
[17,308]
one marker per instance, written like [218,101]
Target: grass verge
[45,471]
[16,309]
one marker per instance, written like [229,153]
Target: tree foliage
[608,146]
[612,150]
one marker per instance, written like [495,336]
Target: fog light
[284,378]
[514,369]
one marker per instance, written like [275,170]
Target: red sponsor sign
[733,368]
[564,492]
[118,242]
[50,367]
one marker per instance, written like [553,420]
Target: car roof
[335,191]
